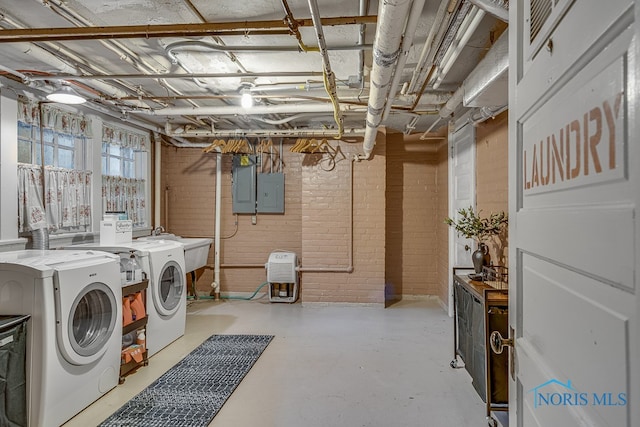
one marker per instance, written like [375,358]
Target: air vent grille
[540,10]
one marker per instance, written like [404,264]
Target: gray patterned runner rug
[192,392]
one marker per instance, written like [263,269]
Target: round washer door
[169,289]
[90,324]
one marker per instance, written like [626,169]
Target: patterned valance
[128,139]
[54,118]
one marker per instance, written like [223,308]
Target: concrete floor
[328,365]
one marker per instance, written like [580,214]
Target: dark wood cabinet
[480,309]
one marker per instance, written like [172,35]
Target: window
[124,173]
[54,192]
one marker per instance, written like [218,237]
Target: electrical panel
[271,192]
[243,170]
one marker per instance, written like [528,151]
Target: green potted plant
[472,226]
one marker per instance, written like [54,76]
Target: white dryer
[74,334]
[163,263]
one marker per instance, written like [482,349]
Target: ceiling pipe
[386,48]
[257,109]
[363,8]
[427,98]
[497,8]
[164,30]
[185,45]
[329,76]
[436,32]
[273,133]
[490,69]
[177,76]
[407,41]
[466,30]
[293,27]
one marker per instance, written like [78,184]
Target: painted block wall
[492,181]
[412,207]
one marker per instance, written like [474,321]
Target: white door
[462,174]
[574,174]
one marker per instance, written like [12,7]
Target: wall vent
[540,11]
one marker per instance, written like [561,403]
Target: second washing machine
[163,263]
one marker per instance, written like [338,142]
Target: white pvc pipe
[217,237]
[468,27]
[258,109]
[414,17]
[157,191]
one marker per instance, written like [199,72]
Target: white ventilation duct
[392,17]
[486,85]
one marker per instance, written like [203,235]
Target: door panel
[464,187]
[573,225]
[462,195]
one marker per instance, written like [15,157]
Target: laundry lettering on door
[566,145]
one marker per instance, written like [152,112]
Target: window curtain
[54,118]
[67,203]
[125,194]
[127,139]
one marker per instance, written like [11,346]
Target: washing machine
[75,330]
[163,263]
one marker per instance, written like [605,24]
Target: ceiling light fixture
[66,95]
[246,100]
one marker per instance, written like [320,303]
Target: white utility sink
[196,249]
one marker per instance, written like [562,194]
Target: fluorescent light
[246,100]
[66,95]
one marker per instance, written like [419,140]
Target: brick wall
[325,228]
[190,176]
[492,177]
[400,198]
[315,224]
[411,191]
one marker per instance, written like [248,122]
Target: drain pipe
[386,49]
[216,246]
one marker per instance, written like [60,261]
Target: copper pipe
[164,30]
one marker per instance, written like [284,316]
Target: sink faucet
[158,230]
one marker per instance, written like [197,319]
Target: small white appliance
[163,263]
[74,333]
[114,229]
[282,276]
